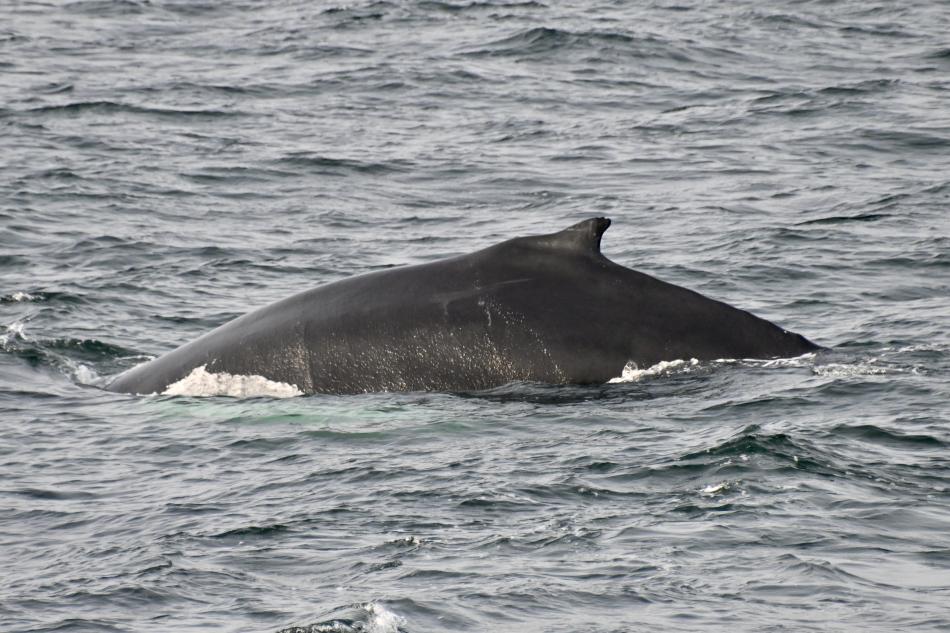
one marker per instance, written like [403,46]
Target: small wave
[113,107]
[861,87]
[714,489]
[371,617]
[15,331]
[751,440]
[56,88]
[253,531]
[243,174]
[87,349]
[102,8]
[844,370]
[755,448]
[805,360]
[540,393]
[888,437]
[17,297]
[632,373]
[450,7]
[201,382]
[83,374]
[908,139]
[382,619]
[77,371]
[886,361]
[541,40]
[926,347]
[841,219]
[941,53]
[788,19]
[339,166]
[66,355]
[405,541]
[880,30]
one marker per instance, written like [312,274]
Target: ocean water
[168,165]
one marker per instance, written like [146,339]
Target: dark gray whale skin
[548,308]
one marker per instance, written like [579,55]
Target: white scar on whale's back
[201,382]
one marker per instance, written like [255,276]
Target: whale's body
[547,308]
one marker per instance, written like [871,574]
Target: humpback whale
[546,308]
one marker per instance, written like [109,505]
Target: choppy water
[168,165]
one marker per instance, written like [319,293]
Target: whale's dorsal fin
[581,238]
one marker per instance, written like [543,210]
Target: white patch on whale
[201,382]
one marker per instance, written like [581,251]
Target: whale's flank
[548,308]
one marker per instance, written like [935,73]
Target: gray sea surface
[167,165]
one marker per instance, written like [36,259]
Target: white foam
[842,370]
[82,373]
[201,382]
[14,331]
[631,373]
[382,620]
[713,489]
[22,296]
[797,361]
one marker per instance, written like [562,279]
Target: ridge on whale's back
[548,308]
